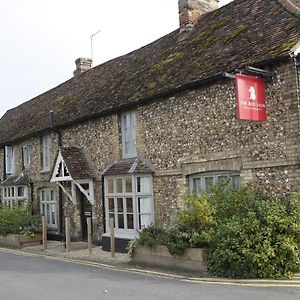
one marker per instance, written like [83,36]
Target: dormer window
[128,124]
[9,160]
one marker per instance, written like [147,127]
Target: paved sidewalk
[79,251]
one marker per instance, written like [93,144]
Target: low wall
[19,240]
[193,259]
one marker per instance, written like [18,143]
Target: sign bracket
[252,71]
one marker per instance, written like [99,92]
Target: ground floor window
[129,201]
[14,195]
[202,182]
[48,206]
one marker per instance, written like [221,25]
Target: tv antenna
[92,36]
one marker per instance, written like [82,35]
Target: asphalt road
[26,277]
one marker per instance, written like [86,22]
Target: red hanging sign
[251,101]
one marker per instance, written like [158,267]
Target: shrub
[19,220]
[255,236]
[189,229]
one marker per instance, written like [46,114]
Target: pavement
[79,254]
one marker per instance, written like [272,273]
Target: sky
[41,39]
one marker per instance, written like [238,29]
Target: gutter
[164,94]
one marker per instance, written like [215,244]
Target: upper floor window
[26,156]
[9,160]
[203,182]
[128,122]
[46,152]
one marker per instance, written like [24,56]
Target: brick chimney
[82,65]
[191,10]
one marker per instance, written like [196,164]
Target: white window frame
[136,195]
[26,153]
[46,152]
[215,176]
[9,160]
[48,206]
[128,126]
[10,194]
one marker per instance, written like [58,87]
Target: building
[128,138]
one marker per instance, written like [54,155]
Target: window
[48,206]
[46,153]
[26,156]
[9,160]
[204,181]
[129,201]
[14,194]
[128,134]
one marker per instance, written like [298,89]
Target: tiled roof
[135,165]
[16,180]
[76,163]
[239,34]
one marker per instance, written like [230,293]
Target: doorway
[85,212]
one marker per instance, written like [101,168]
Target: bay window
[129,201]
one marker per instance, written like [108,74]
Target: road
[33,277]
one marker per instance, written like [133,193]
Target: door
[86,212]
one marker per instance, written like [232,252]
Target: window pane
[20,191]
[197,185]
[111,204]
[110,185]
[120,204]
[145,221]
[222,178]
[208,183]
[128,185]
[129,205]
[235,182]
[121,221]
[119,185]
[130,221]
[12,191]
[138,184]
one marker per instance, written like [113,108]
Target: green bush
[249,234]
[255,236]
[191,228]
[19,220]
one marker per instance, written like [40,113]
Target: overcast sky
[40,39]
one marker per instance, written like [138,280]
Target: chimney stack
[82,65]
[191,10]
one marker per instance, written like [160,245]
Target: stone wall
[192,132]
